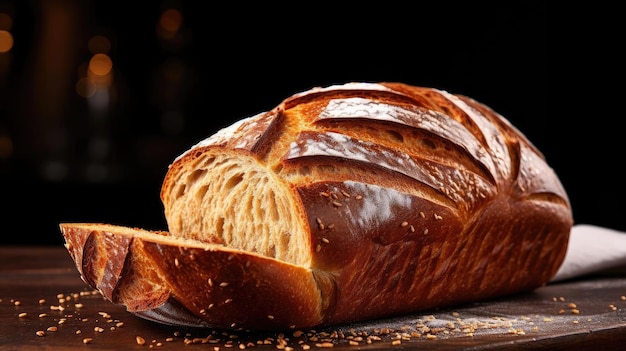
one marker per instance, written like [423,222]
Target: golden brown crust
[385,199]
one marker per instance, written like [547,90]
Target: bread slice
[341,204]
[186,282]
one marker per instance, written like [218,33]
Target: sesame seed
[22,315]
[325,240]
[359,197]
[324,194]
[87,340]
[425,231]
[337,204]
[345,193]
[210,282]
[140,340]
[40,333]
[422,214]
[404,224]
[438,217]
[269,316]
[325,345]
[176,263]
[319,223]
[412,228]
[223,284]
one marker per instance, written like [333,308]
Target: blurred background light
[100,64]
[6,146]
[99,44]
[6,21]
[6,41]
[170,22]
[85,87]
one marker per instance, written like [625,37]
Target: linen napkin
[592,249]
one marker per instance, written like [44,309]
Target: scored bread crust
[341,204]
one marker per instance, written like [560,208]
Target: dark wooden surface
[40,290]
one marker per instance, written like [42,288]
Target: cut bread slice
[187,282]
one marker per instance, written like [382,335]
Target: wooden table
[44,305]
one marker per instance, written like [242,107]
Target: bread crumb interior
[242,204]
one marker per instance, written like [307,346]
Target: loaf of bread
[343,203]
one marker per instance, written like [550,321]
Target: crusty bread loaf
[342,204]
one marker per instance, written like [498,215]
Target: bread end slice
[188,282]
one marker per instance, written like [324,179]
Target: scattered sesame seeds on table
[45,304]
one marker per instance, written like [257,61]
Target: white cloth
[592,249]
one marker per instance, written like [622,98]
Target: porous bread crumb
[244,197]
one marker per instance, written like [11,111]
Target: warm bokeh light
[6,41]
[6,147]
[100,64]
[85,88]
[171,20]
[169,24]
[99,44]
[6,21]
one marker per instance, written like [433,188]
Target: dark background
[554,73]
